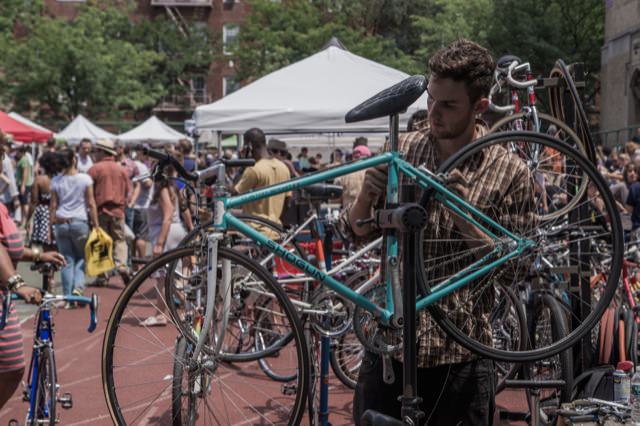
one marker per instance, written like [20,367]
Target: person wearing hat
[278,150]
[111,188]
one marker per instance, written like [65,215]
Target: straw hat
[107,146]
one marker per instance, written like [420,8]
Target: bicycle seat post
[410,411]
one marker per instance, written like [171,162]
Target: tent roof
[28,122]
[309,96]
[20,131]
[81,128]
[152,131]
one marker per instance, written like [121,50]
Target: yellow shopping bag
[98,253]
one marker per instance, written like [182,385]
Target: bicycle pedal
[66,401]
[289,389]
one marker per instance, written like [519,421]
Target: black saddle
[321,192]
[390,101]
[504,62]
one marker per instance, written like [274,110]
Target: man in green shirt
[24,180]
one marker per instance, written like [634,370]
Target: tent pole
[219,143]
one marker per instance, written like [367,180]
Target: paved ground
[78,356]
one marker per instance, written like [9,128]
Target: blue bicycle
[42,392]
[445,278]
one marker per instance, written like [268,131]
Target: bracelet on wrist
[37,254]
[15,282]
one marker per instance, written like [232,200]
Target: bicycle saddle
[504,62]
[390,101]
[322,191]
[373,418]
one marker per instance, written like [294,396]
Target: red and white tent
[22,132]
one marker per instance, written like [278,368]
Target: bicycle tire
[613,234]
[171,293]
[348,346]
[557,107]
[125,340]
[177,389]
[514,306]
[558,328]
[46,393]
[571,139]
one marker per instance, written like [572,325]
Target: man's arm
[248,181]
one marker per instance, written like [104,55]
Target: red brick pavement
[78,356]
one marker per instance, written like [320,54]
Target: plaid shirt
[501,186]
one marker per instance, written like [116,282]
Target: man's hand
[474,237]
[29,294]
[375,182]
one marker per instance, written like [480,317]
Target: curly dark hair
[49,163]
[466,61]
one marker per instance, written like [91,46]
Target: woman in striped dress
[11,251]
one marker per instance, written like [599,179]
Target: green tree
[445,21]
[101,63]
[277,34]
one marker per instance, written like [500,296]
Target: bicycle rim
[563,133]
[46,394]
[552,263]
[138,360]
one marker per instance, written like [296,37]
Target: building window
[229,85]
[199,89]
[230,35]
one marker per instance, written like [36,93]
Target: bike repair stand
[408,221]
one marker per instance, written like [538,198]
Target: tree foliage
[101,63]
[405,33]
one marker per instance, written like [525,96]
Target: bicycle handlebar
[48,299]
[199,175]
[515,68]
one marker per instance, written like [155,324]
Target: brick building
[620,71]
[222,17]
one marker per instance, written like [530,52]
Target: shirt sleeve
[248,181]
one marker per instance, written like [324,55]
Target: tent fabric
[309,96]
[153,131]
[20,131]
[28,122]
[81,128]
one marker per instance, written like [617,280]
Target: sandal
[153,321]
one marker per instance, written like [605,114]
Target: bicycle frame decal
[507,245]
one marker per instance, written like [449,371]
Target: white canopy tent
[81,128]
[309,96]
[27,122]
[153,131]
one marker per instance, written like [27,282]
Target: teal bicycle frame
[506,245]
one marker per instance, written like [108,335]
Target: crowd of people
[60,197]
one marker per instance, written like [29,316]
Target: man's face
[85,149]
[450,110]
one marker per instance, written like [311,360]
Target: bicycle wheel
[44,405]
[548,324]
[347,351]
[138,357]
[564,134]
[509,330]
[562,248]
[185,295]
[183,392]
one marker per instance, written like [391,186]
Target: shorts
[26,197]
[11,346]
[140,226]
